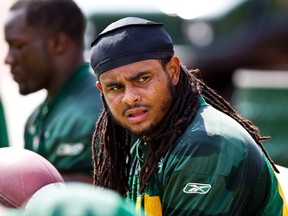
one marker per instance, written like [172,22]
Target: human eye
[143,79]
[115,87]
[17,45]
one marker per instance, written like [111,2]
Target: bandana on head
[129,40]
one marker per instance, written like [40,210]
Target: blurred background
[240,46]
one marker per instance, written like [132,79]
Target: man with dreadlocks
[194,154]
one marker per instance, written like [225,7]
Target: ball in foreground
[23,172]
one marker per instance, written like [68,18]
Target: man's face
[27,56]
[139,94]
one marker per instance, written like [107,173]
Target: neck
[64,69]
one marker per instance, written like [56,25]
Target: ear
[173,68]
[58,42]
[98,85]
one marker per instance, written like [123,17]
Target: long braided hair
[111,142]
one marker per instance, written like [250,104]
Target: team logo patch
[197,188]
[70,149]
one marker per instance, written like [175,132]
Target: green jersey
[215,168]
[61,129]
[4,141]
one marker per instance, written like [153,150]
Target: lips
[16,75]
[136,115]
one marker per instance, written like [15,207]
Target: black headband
[129,40]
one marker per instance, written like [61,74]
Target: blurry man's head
[53,16]
[79,199]
[37,32]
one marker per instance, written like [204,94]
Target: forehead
[15,18]
[129,70]
[15,24]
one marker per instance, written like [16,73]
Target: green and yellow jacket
[215,168]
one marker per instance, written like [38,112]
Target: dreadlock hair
[111,142]
[54,16]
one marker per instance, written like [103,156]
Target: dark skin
[134,93]
[41,60]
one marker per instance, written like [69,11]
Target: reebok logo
[197,188]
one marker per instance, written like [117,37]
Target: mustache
[128,107]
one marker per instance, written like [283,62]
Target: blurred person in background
[46,42]
[78,199]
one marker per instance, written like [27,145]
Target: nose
[130,96]
[9,59]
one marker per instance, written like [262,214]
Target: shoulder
[83,96]
[213,144]
[86,84]
[35,113]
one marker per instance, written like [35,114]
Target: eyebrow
[112,83]
[137,75]
[131,78]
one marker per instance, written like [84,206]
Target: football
[23,172]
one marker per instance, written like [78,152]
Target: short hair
[54,16]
